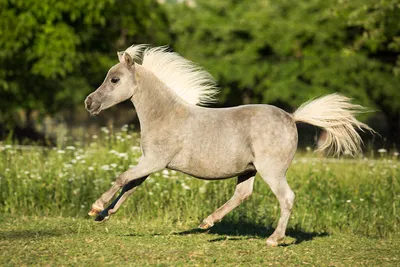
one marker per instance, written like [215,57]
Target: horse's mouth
[94,110]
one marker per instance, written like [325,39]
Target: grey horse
[210,143]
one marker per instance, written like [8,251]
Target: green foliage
[285,52]
[53,53]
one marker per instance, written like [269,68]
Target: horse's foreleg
[244,188]
[139,172]
[126,191]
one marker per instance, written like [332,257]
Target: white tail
[336,115]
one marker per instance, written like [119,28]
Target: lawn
[68,241]
[346,211]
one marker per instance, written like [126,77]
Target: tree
[285,52]
[52,53]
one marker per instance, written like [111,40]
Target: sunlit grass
[359,196]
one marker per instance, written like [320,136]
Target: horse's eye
[114,79]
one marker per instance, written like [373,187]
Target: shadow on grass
[248,230]
[31,234]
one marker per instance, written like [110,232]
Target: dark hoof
[102,216]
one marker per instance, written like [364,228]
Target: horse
[179,132]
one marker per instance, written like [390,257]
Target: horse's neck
[153,100]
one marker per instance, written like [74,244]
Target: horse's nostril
[88,102]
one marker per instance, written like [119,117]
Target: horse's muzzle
[92,106]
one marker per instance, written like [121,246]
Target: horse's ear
[128,59]
[120,56]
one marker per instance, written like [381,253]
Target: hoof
[94,212]
[272,243]
[102,217]
[205,225]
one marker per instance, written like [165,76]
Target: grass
[66,241]
[346,211]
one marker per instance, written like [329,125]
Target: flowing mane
[188,80]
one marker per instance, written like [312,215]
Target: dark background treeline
[53,53]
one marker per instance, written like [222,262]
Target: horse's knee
[289,200]
[122,179]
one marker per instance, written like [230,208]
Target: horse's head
[119,85]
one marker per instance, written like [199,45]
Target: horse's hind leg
[244,188]
[276,179]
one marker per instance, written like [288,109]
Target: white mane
[189,81]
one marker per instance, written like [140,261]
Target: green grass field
[346,211]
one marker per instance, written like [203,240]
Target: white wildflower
[114,165]
[105,130]
[382,150]
[165,173]
[185,186]
[114,152]
[361,199]
[202,189]
[60,151]
[124,127]
[91,168]
[105,168]
[70,148]
[94,136]
[123,155]
[348,201]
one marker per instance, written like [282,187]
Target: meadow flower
[114,152]
[165,173]
[202,189]
[94,136]
[123,155]
[348,201]
[124,128]
[185,186]
[73,161]
[60,151]
[113,165]
[70,148]
[361,199]
[105,130]
[382,150]
[91,168]
[105,168]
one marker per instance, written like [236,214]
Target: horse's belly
[209,165]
